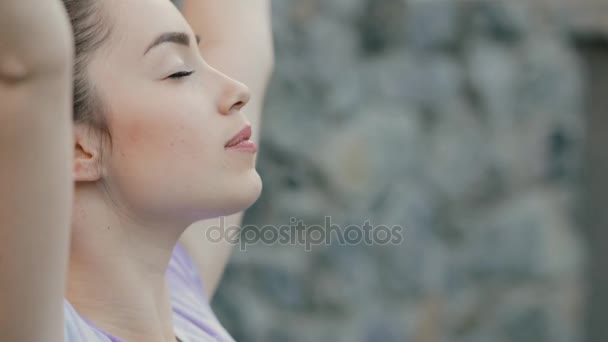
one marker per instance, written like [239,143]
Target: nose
[234,95]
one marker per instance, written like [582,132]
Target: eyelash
[181,74]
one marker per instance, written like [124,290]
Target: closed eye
[181,74]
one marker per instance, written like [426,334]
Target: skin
[165,169]
[35,154]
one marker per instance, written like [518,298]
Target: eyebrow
[180,38]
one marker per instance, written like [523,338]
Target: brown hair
[91,29]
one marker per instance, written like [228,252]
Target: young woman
[152,153]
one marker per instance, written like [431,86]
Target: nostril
[239,105]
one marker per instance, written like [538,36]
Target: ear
[87,160]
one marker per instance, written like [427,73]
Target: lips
[243,135]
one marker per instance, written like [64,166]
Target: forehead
[136,23]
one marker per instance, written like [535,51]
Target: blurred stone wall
[581,16]
[458,120]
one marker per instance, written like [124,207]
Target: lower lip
[244,146]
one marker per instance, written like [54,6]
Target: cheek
[156,148]
[162,132]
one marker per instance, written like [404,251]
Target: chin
[242,195]
[249,194]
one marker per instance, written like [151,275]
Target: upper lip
[243,135]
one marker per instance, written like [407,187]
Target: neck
[117,269]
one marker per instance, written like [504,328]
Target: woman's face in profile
[170,116]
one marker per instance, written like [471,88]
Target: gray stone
[347,10]
[519,239]
[381,27]
[505,21]
[367,154]
[433,24]
[381,329]
[341,277]
[493,72]
[459,155]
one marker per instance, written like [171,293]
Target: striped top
[193,319]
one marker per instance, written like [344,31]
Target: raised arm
[236,39]
[35,168]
